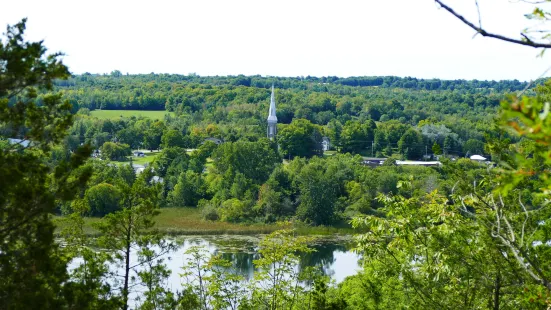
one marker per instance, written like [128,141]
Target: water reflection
[334,257]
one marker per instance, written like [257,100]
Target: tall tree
[411,144]
[32,267]
[128,232]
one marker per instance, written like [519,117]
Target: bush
[103,199]
[233,210]
[208,210]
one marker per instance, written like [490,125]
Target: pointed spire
[272,112]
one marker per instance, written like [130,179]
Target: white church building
[272,118]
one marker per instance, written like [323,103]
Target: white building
[325,144]
[478,158]
[272,118]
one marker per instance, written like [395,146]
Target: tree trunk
[127,264]
[496,291]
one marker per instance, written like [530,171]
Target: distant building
[376,162]
[418,163]
[139,154]
[156,179]
[272,118]
[373,161]
[23,143]
[215,140]
[325,144]
[478,158]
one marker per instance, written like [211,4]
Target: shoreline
[188,222]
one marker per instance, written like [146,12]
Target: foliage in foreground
[484,246]
[33,269]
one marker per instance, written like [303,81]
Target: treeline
[240,98]
[299,82]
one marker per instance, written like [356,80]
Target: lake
[333,254]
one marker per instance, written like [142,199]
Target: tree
[130,228]
[89,268]
[33,269]
[275,285]
[527,39]
[130,136]
[428,254]
[436,149]
[255,160]
[102,199]
[152,136]
[489,234]
[300,138]
[213,280]
[473,146]
[233,210]
[188,191]
[318,194]
[115,151]
[356,137]
[451,145]
[411,144]
[173,138]
[380,140]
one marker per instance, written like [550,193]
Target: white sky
[283,38]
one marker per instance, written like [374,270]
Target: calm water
[333,255]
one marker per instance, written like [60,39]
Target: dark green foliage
[115,151]
[411,145]
[32,266]
[174,138]
[472,147]
[152,136]
[356,137]
[103,199]
[301,138]
[320,184]
[255,160]
[190,188]
[436,149]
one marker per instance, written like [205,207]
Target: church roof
[272,112]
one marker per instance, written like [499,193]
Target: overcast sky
[283,38]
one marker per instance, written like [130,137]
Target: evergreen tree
[436,149]
[33,269]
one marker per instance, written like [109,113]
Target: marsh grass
[188,221]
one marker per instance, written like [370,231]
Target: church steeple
[272,118]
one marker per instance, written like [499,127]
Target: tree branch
[489,34]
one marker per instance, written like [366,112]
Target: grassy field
[188,221]
[329,153]
[147,159]
[112,114]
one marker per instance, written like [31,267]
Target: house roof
[477,157]
[23,143]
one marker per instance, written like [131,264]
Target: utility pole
[372,147]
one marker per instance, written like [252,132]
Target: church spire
[272,112]
[272,118]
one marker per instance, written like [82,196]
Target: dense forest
[252,179]
[231,109]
